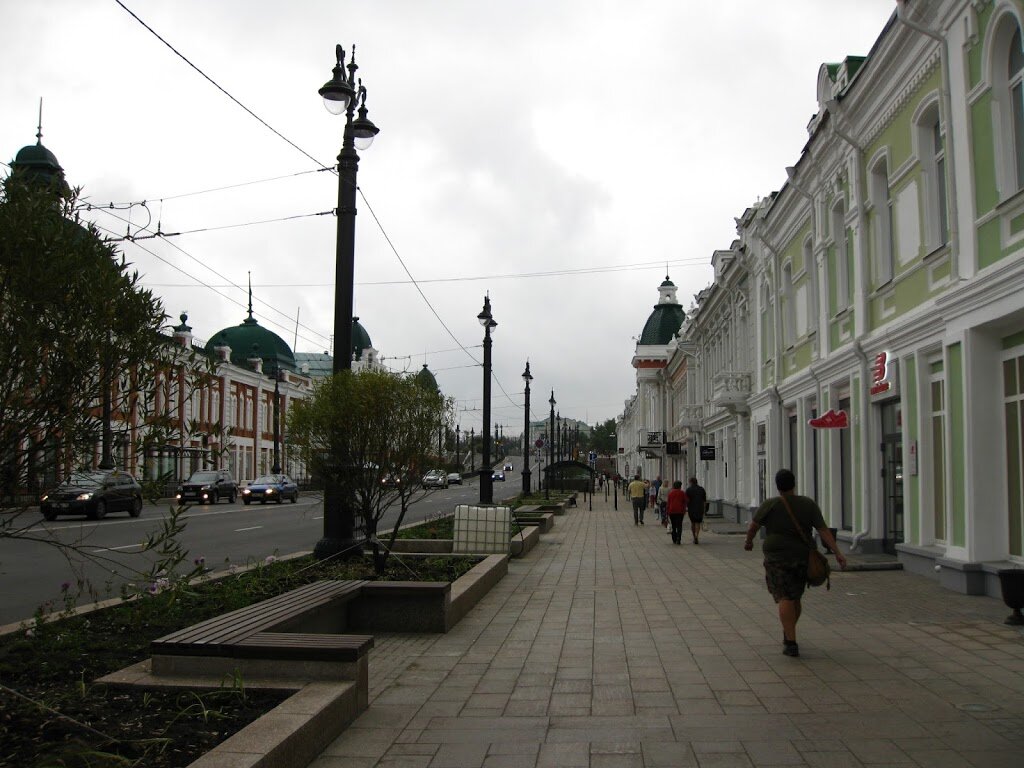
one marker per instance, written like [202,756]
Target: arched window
[1015,82]
[788,307]
[811,268]
[931,152]
[884,240]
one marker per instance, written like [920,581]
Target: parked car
[208,486]
[498,476]
[454,478]
[435,478]
[270,488]
[508,466]
[93,494]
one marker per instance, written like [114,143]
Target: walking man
[638,495]
[696,503]
[786,551]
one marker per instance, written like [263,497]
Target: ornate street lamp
[472,451]
[340,95]
[527,378]
[551,448]
[558,437]
[486,484]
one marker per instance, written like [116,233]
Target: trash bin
[1011,583]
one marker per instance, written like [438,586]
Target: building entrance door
[892,476]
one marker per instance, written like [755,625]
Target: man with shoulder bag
[788,520]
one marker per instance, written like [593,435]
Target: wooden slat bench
[256,641]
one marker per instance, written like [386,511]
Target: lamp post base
[341,549]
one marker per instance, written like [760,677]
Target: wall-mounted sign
[673,448]
[707,453]
[831,419]
[881,375]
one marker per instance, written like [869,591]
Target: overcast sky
[559,154]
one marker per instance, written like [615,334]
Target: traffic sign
[539,442]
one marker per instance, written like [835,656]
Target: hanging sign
[707,453]
[881,379]
[831,419]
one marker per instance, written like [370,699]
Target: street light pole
[551,448]
[340,94]
[486,484]
[472,451]
[527,378]
[276,469]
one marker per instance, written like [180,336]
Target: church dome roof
[250,337]
[360,339]
[426,379]
[38,165]
[667,317]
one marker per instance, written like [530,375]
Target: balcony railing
[732,390]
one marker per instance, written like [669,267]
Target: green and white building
[884,283]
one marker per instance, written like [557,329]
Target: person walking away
[652,494]
[661,501]
[675,510]
[786,551]
[696,503]
[638,495]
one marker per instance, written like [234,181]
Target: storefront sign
[881,378]
[831,419]
[707,453]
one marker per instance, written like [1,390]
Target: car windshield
[203,477]
[268,480]
[86,478]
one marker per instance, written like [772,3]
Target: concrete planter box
[545,521]
[523,543]
[296,731]
[423,546]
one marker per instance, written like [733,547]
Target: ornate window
[884,239]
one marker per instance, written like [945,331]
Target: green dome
[667,317]
[360,339]
[426,379]
[251,337]
[36,164]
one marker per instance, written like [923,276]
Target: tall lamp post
[551,448]
[486,485]
[340,95]
[458,453]
[472,450]
[527,378]
[276,469]
[558,437]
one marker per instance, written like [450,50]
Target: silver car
[435,478]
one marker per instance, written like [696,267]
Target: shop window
[938,446]
[1013,409]
[845,472]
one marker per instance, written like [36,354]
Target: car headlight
[246,491]
[45,497]
[270,490]
[83,496]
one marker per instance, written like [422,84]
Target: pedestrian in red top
[676,509]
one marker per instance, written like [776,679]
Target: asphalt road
[32,572]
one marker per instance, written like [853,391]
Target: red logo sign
[879,374]
[831,419]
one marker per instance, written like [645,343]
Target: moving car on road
[498,476]
[435,478]
[208,486]
[270,488]
[454,478]
[93,494]
[508,466]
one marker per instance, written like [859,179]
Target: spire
[39,130]
[250,320]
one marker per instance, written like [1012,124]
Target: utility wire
[218,87]
[215,290]
[158,233]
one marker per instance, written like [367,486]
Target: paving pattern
[608,646]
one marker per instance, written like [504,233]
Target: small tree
[373,433]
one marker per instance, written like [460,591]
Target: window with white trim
[937,392]
[1015,83]
[932,153]
[884,241]
[788,307]
[811,268]
[841,256]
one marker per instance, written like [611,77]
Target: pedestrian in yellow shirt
[638,495]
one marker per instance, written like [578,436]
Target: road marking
[251,528]
[114,549]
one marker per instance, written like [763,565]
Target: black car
[498,476]
[93,494]
[270,488]
[208,486]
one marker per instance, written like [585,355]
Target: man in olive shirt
[786,550]
[638,495]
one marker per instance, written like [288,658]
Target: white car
[435,478]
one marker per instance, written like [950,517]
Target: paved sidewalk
[609,646]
